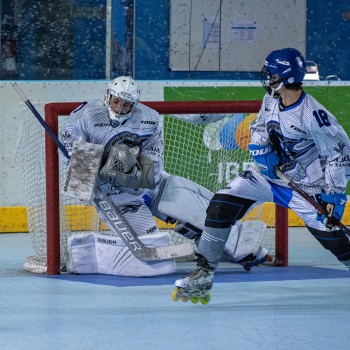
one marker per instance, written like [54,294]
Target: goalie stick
[118,224]
[308,198]
[41,120]
[127,234]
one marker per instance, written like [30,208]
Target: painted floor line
[226,275]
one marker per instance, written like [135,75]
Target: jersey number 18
[322,118]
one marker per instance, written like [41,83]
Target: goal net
[209,150]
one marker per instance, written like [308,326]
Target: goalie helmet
[121,97]
[282,67]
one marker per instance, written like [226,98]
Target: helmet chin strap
[277,88]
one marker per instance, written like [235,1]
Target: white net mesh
[74,217]
[209,154]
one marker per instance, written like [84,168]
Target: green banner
[219,162]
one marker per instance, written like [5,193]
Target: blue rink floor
[304,306]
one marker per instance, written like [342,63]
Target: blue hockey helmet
[288,64]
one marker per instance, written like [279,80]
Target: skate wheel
[205,300]
[185,298]
[194,300]
[269,258]
[247,268]
[175,295]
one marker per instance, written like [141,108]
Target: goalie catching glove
[124,168]
[334,204]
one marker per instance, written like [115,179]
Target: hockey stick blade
[308,198]
[122,228]
[138,249]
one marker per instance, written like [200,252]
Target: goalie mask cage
[207,152]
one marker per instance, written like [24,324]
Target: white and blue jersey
[315,152]
[315,146]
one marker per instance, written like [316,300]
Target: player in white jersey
[133,178]
[121,120]
[298,134]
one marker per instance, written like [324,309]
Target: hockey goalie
[178,200]
[116,149]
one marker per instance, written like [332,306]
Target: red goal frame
[56,109]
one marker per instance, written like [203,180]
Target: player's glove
[265,158]
[127,172]
[334,204]
[122,168]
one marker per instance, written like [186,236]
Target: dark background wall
[327,41]
[63,40]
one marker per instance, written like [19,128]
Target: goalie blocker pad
[94,253]
[83,171]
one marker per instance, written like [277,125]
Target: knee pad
[224,210]
[337,242]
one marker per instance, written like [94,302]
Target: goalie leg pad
[108,255]
[245,239]
[182,200]
[82,254]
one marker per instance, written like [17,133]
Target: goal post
[206,161]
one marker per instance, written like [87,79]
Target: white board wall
[233,35]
